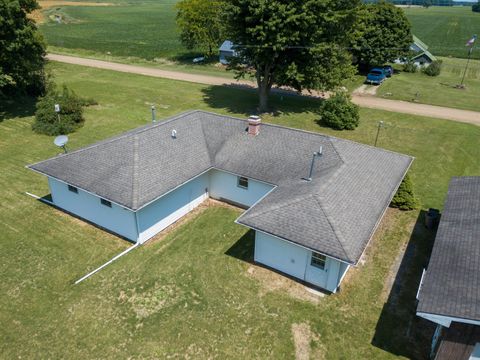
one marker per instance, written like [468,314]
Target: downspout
[138,227]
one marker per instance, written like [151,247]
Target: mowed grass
[190,294]
[142,29]
[438,90]
[445,29]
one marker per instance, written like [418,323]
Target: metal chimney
[315,155]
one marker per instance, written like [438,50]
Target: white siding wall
[223,185]
[169,208]
[88,206]
[295,261]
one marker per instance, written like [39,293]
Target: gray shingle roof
[451,286]
[335,214]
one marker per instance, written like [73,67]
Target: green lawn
[142,29]
[445,29]
[190,294]
[439,90]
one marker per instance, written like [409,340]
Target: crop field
[141,29]
[445,29]
[194,293]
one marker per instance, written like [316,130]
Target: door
[316,271]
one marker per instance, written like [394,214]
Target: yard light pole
[380,125]
[57,110]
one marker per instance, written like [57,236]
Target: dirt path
[39,17]
[466,116]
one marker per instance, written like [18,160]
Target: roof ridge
[329,137]
[337,234]
[135,172]
[123,135]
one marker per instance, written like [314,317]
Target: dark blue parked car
[376,76]
[388,70]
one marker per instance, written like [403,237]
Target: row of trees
[310,44]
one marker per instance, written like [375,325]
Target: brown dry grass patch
[39,17]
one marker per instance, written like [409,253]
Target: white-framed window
[72,189]
[242,182]
[106,202]
[318,260]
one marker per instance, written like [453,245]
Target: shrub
[70,117]
[433,69]
[405,198]
[339,113]
[410,67]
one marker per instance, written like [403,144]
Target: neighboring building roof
[418,45]
[335,214]
[458,342]
[451,286]
[427,54]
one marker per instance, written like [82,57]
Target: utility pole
[380,125]
[470,43]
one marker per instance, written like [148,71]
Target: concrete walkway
[471,117]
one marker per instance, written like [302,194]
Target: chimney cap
[254,118]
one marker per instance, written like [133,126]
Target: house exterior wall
[116,218]
[223,186]
[156,216]
[295,261]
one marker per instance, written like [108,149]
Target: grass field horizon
[147,29]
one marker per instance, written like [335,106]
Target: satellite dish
[61,141]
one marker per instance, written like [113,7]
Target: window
[318,260]
[106,202]
[242,182]
[72,189]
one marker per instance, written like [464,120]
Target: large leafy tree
[200,24]
[298,44]
[383,34]
[22,49]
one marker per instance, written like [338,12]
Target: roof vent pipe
[174,134]
[153,114]
[315,154]
[254,125]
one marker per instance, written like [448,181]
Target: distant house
[227,51]
[420,54]
[449,293]
[311,228]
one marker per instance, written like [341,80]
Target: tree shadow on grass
[399,331]
[17,107]
[243,99]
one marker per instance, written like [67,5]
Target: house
[420,54]
[449,293]
[138,183]
[226,51]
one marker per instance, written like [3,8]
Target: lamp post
[57,110]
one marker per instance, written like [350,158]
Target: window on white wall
[242,182]
[318,260]
[106,202]
[72,189]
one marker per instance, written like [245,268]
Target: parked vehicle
[388,70]
[198,60]
[376,76]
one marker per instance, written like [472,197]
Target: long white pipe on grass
[107,263]
[99,268]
